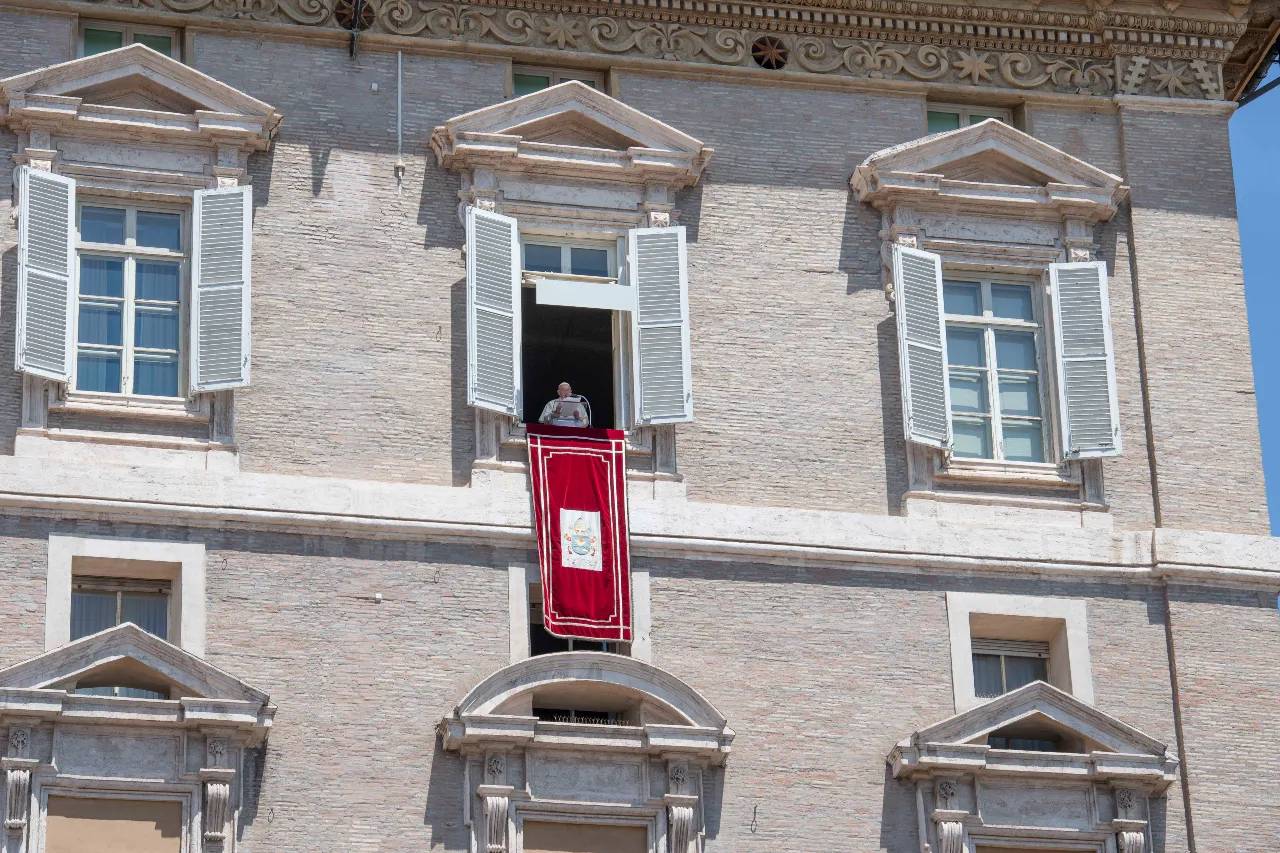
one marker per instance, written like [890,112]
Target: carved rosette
[495,800]
[680,822]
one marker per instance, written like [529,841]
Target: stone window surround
[521,575]
[613,191]
[516,766]
[70,135]
[186,572]
[1023,615]
[981,225]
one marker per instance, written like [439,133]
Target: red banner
[580,511]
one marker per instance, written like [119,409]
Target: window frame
[120,586]
[131,253]
[965,111]
[522,577]
[557,75]
[127,33]
[1004,649]
[989,325]
[615,245]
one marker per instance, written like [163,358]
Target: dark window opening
[1022,743]
[127,692]
[567,715]
[561,344]
[543,642]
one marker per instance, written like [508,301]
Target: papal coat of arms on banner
[580,540]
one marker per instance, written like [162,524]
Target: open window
[575,271]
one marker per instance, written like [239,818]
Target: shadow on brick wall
[899,832]
[443,812]
[461,416]
[895,445]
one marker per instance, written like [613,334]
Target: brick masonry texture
[861,658]
[1187,258]
[359,303]
[1226,642]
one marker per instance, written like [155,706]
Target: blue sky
[1255,154]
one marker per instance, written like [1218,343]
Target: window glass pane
[1012,301]
[977,118]
[962,297]
[583,81]
[148,612]
[971,437]
[986,676]
[98,371]
[1022,441]
[1020,671]
[1032,744]
[139,693]
[1015,350]
[964,347]
[939,122]
[100,41]
[155,327]
[102,277]
[539,258]
[968,391]
[162,44]
[101,225]
[95,691]
[525,84]
[1020,395]
[100,324]
[157,282]
[160,230]
[589,262]
[155,375]
[92,612]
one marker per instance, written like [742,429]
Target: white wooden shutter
[46,273]
[493,312]
[1086,360]
[222,248]
[922,347]
[662,372]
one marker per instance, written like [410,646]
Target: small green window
[527,84]
[941,122]
[583,81]
[160,44]
[976,118]
[100,41]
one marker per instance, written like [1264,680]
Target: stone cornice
[660,529]
[1098,52]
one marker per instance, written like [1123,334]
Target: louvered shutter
[222,245]
[46,273]
[922,347]
[1086,360]
[660,325]
[493,312]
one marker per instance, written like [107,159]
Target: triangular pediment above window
[570,129]
[128,656]
[986,165]
[1032,728]
[127,79]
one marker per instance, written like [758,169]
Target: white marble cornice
[673,529]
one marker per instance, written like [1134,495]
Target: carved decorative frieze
[1023,48]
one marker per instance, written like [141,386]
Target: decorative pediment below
[55,687]
[571,131]
[1033,767]
[989,168]
[628,705]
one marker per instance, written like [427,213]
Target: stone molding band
[1102,53]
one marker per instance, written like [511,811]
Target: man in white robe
[568,409]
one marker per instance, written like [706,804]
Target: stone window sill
[120,406]
[639,440]
[1011,473]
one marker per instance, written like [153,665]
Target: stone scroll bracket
[216,777]
[496,802]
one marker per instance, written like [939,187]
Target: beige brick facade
[363,530]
